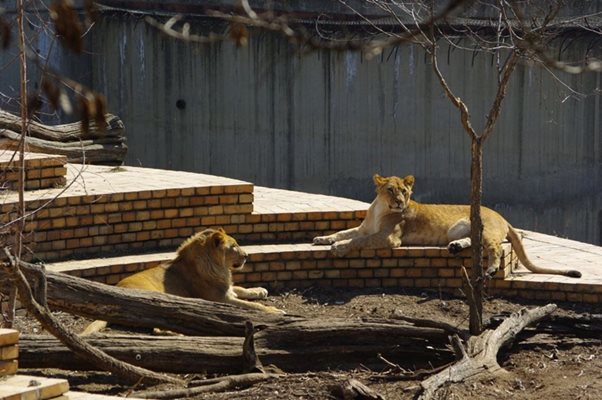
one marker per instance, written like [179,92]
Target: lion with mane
[202,269]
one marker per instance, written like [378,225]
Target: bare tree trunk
[475,297]
[476,236]
[19,227]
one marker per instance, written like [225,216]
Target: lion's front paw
[340,248]
[454,248]
[324,240]
[260,293]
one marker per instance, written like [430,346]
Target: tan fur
[202,269]
[393,219]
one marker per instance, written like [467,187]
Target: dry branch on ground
[480,356]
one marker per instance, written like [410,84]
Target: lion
[393,219]
[202,269]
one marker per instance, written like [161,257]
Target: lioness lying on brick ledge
[393,219]
[202,269]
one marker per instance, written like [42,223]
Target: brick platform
[555,252]
[106,211]
[42,171]
[303,265]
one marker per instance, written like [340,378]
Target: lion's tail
[94,327]
[517,245]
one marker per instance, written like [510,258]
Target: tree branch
[502,88]
[456,101]
[222,384]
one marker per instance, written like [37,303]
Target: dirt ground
[563,370]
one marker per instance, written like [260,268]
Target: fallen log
[96,145]
[480,356]
[195,354]
[139,308]
[96,151]
[65,132]
[37,306]
[175,354]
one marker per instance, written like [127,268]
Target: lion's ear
[379,180]
[220,229]
[409,180]
[218,238]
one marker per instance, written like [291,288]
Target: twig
[456,101]
[410,376]
[396,367]
[222,384]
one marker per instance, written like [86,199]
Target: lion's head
[394,190]
[213,247]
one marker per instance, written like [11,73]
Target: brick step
[32,387]
[129,210]
[9,352]
[42,171]
[303,265]
[106,210]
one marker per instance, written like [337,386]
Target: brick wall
[304,265]
[9,352]
[77,226]
[105,225]
[41,171]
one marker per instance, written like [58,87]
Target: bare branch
[456,101]
[222,384]
[502,89]
[185,35]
